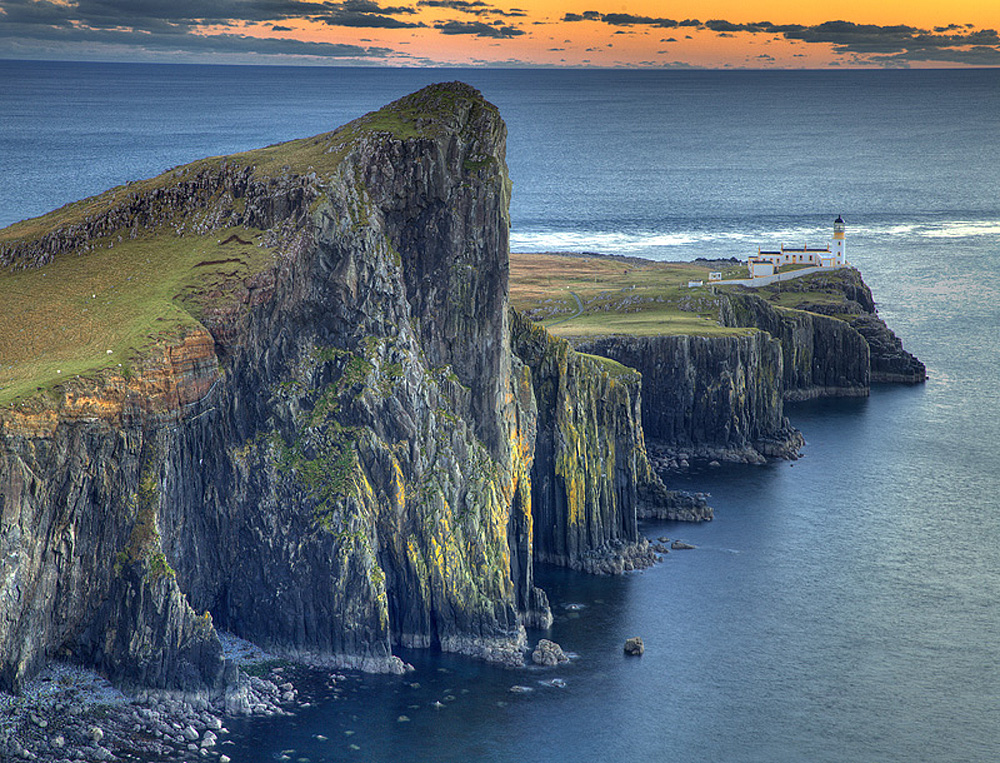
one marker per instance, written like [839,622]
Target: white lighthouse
[839,255]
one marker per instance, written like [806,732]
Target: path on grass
[579,312]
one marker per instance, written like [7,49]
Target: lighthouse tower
[840,257]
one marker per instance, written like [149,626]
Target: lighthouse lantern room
[838,241]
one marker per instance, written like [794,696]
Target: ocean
[843,607]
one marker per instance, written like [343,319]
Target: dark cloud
[185,15]
[479,29]
[627,19]
[154,15]
[717,25]
[465,6]
[979,55]
[899,44]
[960,43]
[177,26]
[367,14]
[907,41]
[188,43]
[621,19]
[473,7]
[585,16]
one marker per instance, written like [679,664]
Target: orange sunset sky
[572,33]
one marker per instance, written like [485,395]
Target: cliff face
[717,397]
[821,356]
[342,456]
[723,396]
[590,479]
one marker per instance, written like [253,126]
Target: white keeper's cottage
[766,263]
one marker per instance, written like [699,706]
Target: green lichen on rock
[144,548]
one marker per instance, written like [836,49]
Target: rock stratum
[346,441]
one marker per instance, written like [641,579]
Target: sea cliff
[284,394]
[336,438]
[722,396]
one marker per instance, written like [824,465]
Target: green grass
[647,323]
[814,289]
[59,322]
[795,299]
[612,367]
[618,296]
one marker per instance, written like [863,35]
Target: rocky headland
[718,363]
[329,433]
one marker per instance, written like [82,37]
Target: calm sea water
[843,608]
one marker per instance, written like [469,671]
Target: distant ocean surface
[842,608]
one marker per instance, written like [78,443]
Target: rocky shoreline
[71,714]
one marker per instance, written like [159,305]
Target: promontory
[285,394]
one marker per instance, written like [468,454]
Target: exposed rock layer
[591,478]
[716,397]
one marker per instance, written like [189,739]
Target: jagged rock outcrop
[339,457]
[821,356]
[844,295]
[890,363]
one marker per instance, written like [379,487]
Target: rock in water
[634,646]
[679,545]
[548,653]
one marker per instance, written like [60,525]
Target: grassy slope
[59,321]
[618,296]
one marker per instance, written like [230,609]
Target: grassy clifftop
[80,315]
[579,295]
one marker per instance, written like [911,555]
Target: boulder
[548,653]
[634,646]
